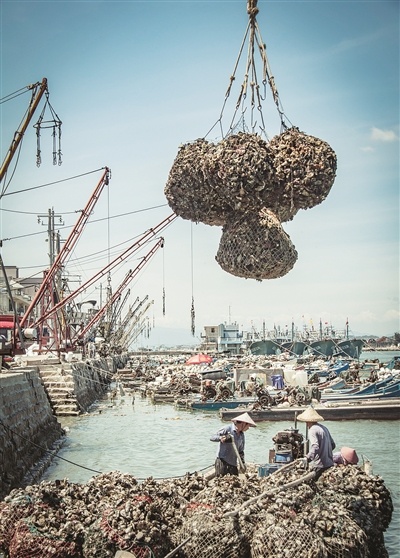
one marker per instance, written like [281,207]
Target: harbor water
[134,436]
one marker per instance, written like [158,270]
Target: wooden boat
[388,388]
[368,410]
[214,404]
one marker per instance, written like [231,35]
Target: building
[223,338]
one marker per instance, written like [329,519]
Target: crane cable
[192,310]
[55,124]
[253,34]
[163,279]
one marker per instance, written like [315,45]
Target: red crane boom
[130,275]
[47,287]
[128,252]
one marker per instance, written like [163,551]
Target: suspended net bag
[255,246]
[305,167]
[240,168]
[188,191]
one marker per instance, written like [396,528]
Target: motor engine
[288,446]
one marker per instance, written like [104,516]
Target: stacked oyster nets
[249,187]
[344,513]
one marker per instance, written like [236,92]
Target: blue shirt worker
[230,452]
[320,455]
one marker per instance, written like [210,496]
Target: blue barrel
[283,457]
[277,381]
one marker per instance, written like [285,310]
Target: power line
[89,222]
[51,183]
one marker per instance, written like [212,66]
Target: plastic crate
[267,469]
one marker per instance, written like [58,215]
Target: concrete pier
[31,398]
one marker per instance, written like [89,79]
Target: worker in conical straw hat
[321,443]
[230,452]
[346,456]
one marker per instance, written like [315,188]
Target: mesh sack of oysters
[216,183]
[305,167]
[10,513]
[255,246]
[205,534]
[243,172]
[188,190]
[284,538]
[344,510]
[28,542]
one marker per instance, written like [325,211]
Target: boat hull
[351,348]
[360,411]
[212,405]
[266,347]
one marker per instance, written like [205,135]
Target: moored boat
[387,388]
[214,404]
[368,410]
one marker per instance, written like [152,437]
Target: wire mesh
[256,246]
[28,542]
[209,535]
[347,541]
[287,538]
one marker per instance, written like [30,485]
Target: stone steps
[72,388]
[60,387]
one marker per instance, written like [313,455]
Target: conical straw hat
[245,417]
[350,455]
[310,415]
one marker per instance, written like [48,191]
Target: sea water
[134,436]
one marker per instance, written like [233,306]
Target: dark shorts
[223,468]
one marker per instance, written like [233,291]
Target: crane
[128,317]
[116,311]
[46,301]
[50,309]
[79,336]
[38,90]
[125,339]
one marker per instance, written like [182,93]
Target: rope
[192,311]
[250,80]
[45,450]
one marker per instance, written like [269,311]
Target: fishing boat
[350,348]
[356,410]
[388,388]
[265,347]
[197,404]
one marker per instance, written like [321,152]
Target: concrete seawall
[30,400]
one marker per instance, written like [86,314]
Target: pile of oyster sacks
[343,514]
[250,187]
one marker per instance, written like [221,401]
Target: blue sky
[133,80]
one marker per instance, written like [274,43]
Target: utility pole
[53,238]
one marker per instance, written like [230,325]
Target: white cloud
[367,149]
[383,135]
